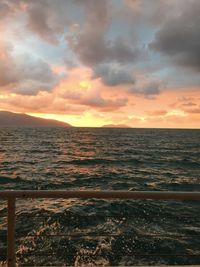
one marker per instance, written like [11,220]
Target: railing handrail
[12,195]
[160,195]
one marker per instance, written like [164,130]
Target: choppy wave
[89,232]
[100,161]
[7,179]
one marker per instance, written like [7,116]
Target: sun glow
[85,84]
[85,120]
[175,112]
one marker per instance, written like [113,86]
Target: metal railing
[11,197]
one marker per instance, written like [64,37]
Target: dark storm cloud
[50,20]
[113,75]
[92,49]
[148,89]
[4,8]
[179,37]
[153,12]
[35,75]
[8,7]
[90,44]
[38,23]
[148,12]
[36,69]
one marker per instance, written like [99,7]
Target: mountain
[15,119]
[116,126]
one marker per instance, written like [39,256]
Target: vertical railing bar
[11,261]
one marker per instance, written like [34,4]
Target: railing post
[11,261]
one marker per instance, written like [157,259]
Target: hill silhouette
[15,119]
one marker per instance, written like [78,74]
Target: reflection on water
[102,232]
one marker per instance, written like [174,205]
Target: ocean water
[98,232]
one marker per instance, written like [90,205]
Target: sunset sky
[97,62]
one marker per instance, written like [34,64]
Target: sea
[74,232]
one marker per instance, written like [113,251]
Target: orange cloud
[83,101]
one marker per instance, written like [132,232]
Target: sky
[97,62]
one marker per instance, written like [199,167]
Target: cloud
[78,90]
[86,37]
[43,102]
[31,87]
[93,49]
[161,112]
[8,72]
[102,104]
[146,86]
[37,69]
[186,102]
[148,90]
[45,19]
[91,45]
[92,98]
[49,20]
[55,103]
[68,57]
[4,8]
[193,110]
[38,21]
[9,7]
[179,37]
[189,104]
[113,74]
[24,74]
[150,12]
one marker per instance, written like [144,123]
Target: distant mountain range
[16,119]
[116,126]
